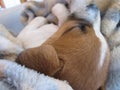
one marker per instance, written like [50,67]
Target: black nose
[93,7]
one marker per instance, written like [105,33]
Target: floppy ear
[43,59]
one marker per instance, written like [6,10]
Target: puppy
[77,52]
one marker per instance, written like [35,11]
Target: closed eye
[82,27]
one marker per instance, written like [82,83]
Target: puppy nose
[92,6]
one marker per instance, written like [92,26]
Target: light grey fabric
[10,18]
[25,79]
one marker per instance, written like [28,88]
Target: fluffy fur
[110,24]
[33,35]
[25,79]
[111,30]
[33,9]
[74,53]
[43,8]
[11,47]
[30,36]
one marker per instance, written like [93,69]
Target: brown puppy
[77,52]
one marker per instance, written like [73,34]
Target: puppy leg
[56,17]
[31,27]
[34,24]
[43,59]
[32,9]
[62,13]
[111,19]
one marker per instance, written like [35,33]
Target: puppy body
[74,53]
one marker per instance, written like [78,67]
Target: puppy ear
[43,59]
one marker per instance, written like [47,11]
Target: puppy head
[77,27]
[85,33]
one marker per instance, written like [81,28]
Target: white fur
[31,36]
[35,37]
[114,39]
[80,5]
[26,79]
[109,28]
[37,31]
[62,13]
[113,82]
[98,33]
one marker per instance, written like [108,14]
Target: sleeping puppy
[77,52]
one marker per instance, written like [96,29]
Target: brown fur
[71,54]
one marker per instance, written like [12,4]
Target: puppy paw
[32,9]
